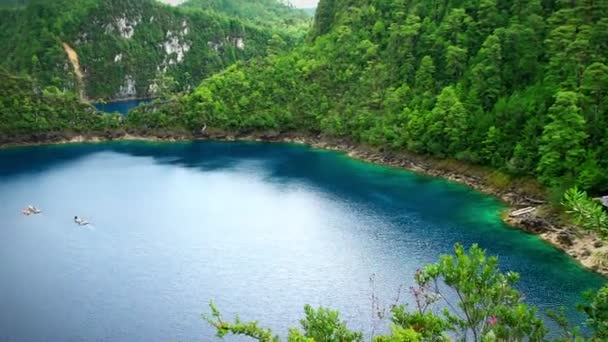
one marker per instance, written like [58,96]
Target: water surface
[122,107]
[260,228]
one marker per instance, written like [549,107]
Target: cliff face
[126,48]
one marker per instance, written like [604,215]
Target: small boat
[80,221]
[34,210]
[31,210]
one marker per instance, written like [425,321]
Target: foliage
[121,42]
[488,308]
[318,325]
[519,86]
[596,309]
[270,13]
[561,146]
[28,112]
[487,302]
[585,211]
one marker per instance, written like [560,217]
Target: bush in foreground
[488,309]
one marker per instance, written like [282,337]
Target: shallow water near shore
[260,228]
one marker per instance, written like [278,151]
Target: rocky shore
[540,219]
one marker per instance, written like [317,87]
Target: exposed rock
[174,46]
[598,244]
[215,46]
[126,27]
[240,43]
[128,88]
[83,38]
[237,42]
[565,239]
[153,88]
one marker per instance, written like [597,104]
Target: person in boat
[30,210]
[33,209]
[80,221]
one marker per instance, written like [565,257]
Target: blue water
[122,107]
[262,229]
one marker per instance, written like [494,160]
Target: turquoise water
[122,107]
[262,229]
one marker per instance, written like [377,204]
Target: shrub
[585,211]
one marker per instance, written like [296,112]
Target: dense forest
[520,86]
[30,112]
[128,48]
[517,85]
[270,13]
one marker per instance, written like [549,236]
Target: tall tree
[447,124]
[595,87]
[486,76]
[562,143]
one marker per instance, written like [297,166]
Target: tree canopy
[516,85]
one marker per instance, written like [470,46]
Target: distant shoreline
[542,221]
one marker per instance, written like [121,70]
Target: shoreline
[584,247]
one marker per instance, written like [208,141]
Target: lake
[122,107]
[262,229]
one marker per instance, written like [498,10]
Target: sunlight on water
[260,228]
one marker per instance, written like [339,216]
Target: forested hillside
[30,112]
[131,48]
[271,13]
[518,85]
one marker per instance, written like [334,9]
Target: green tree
[448,124]
[425,81]
[456,62]
[595,87]
[324,17]
[486,75]
[586,212]
[163,85]
[562,143]
[425,84]
[318,325]
[596,309]
[491,147]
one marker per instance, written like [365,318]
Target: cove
[262,229]
[122,107]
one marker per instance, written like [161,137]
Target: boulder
[533,224]
[565,239]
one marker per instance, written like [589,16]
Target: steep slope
[518,85]
[126,48]
[271,13]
